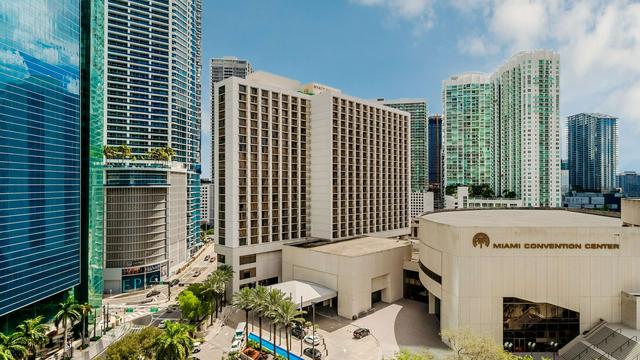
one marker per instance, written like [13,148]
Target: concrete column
[432,303]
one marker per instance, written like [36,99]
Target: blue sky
[405,48]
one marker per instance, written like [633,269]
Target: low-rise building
[462,200]
[361,271]
[527,276]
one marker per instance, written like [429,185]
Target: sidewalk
[97,347]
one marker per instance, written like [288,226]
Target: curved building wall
[136,227]
[576,261]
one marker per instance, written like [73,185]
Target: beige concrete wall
[629,310]
[631,211]
[354,278]
[475,280]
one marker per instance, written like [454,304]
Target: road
[139,305]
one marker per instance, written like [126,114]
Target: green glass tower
[92,127]
[503,129]
[419,140]
[467,130]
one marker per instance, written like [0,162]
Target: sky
[405,48]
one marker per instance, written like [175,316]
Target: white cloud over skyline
[598,42]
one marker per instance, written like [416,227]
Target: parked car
[235,346]
[153,293]
[163,324]
[298,332]
[315,354]
[174,282]
[313,340]
[197,273]
[196,347]
[239,333]
[206,258]
[360,333]
[212,259]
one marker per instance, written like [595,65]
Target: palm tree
[243,300]
[274,298]
[288,314]
[13,347]
[175,343]
[68,313]
[259,303]
[84,309]
[212,286]
[226,275]
[34,333]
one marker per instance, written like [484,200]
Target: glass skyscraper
[153,101]
[435,159]
[419,137]
[593,152]
[468,131]
[39,150]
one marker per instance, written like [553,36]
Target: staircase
[602,343]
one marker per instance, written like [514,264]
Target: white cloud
[519,22]
[477,45]
[420,12]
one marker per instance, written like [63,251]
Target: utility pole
[313,325]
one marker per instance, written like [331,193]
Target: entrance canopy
[307,291]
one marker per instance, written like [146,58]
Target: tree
[213,285]
[68,313]
[287,314]
[175,343]
[135,346]
[190,306]
[260,307]
[226,275]
[242,300]
[274,298]
[407,355]
[468,346]
[85,310]
[13,347]
[34,333]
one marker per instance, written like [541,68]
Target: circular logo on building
[480,239]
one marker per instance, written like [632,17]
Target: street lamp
[313,325]
[554,346]
[508,346]
[531,346]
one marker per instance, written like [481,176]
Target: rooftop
[354,247]
[306,291]
[522,218]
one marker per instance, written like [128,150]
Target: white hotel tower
[295,162]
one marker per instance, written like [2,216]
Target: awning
[307,291]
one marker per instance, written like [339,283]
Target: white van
[239,334]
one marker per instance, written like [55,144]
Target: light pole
[554,345]
[313,325]
[532,346]
[508,346]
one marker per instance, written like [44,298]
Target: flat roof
[522,218]
[360,246]
[306,291]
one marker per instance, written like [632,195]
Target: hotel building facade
[268,131]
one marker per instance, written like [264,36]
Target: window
[247,259]
[221,259]
[247,273]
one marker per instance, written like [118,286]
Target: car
[196,347]
[313,340]
[360,333]
[315,354]
[196,274]
[212,259]
[235,346]
[206,258]
[153,293]
[298,332]
[174,282]
[163,324]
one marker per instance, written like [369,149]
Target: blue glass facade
[39,150]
